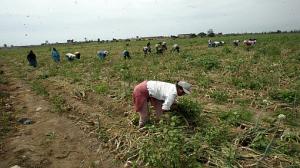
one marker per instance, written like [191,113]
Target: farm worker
[161,95]
[102,54]
[55,55]
[31,57]
[126,54]
[70,56]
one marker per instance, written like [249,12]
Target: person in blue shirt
[55,55]
[102,54]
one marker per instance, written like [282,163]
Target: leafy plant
[207,62]
[189,110]
[235,117]
[39,88]
[101,88]
[58,103]
[219,96]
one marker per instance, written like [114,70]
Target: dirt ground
[52,140]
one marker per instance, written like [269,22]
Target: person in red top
[161,95]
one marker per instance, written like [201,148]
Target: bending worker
[161,95]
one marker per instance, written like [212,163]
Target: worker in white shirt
[161,95]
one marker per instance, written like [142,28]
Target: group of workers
[161,94]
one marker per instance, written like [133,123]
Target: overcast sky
[25,22]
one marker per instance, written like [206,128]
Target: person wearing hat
[161,95]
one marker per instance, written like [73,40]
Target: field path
[52,140]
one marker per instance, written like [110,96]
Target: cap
[185,86]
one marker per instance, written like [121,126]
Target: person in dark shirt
[31,57]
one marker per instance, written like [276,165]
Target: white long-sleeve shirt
[163,91]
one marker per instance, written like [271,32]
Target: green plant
[219,96]
[58,103]
[207,62]
[204,81]
[38,87]
[101,88]
[189,110]
[226,50]
[163,149]
[235,117]
[288,96]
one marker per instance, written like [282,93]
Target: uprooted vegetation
[243,110]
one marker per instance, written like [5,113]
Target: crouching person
[175,48]
[102,54]
[161,95]
[31,57]
[77,54]
[126,54]
[70,56]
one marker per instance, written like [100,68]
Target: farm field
[243,110]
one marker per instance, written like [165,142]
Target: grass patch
[101,88]
[219,96]
[58,104]
[38,87]
[236,117]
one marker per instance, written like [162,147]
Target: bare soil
[52,140]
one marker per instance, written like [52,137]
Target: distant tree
[210,33]
[220,34]
[85,39]
[173,37]
[4,45]
[98,40]
[193,35]
[202,34]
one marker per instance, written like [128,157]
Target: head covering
[185,86]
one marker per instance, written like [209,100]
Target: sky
[29,22]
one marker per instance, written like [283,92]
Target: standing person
[161,95]
[55,55]
[31,57]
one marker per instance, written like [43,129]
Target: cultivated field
[229,120]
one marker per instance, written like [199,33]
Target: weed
[58,103]
[226,50]
[204,81]
[189,110]
[235,117]
[38,87]
[287,96]
[101,88]
[207,62]
[168,141]
[3,80]
[219,96]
